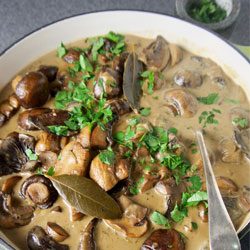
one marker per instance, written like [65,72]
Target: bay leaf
[86,196]
[131,81]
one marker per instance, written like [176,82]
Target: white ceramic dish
[187,35]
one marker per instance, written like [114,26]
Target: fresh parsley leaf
[119,137]
[194,225]
[135,189]
[61,50]
[39,171]
[197,197]
[145,111]
[173,130]
[31,155]
[114,37]
[149,78]
[85,64]
[210,99]
[58,130]
[208,117]
[96,46]
[242,122]
[51,171]
[118,48]
[178,214]
[134,120]
[160,219]
[107,156]
[196,183]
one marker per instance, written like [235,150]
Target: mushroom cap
[39,190]
[181,102]
[32,90]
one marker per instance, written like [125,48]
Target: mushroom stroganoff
[98,149]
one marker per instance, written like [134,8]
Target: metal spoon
[222,234]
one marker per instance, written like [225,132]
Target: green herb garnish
[59,130]
[149,76]
[85,64]
[51,171]
[207,11]
[96,46]
[194,225]
[208,117]
[242,122]
[160,219]
[145,111]
[135,189]
[107,156]
[210,99]
[31,155]
[61,50]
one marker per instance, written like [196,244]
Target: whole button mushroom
[39,190]
[32,90]
[164,239]
[188,78]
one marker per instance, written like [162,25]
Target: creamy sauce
[107,238]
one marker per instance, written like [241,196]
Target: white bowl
[187,35]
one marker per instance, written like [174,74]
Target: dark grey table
[20,17]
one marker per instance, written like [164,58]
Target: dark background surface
[20,17]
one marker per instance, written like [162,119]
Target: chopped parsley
[178,214]
[85,64]
[96,46]
[195,180]
[149,77]
[51,171]
[107,156]
[59,130]
[61,50]
[118,40]
[194,225]
[160,219]
[241,122]
[31,155]
[210,99]
[208,117]
[145,111]
[207,11]
[135,188]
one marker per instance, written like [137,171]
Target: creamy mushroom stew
[98,149]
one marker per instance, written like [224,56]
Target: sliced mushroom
[242,139]
[57,209]
[84,137]
[72,56]
[99,138]
[181,102]
[230,153]
[216,75]
[119,106]
[39,190]
[87,241]
[188,78]
[13,216]
[9,184]
[163,239]
[49,71]
[75,215]
[32,90]
[41,118]
[157,54]
[108,83]
[56,232]
[48,159]
[37,239]
[48,142]
[103,174]
[133,223]
[2,119]
[233,208]
[74,160]
[13,157]
[171,190]
[226,185]
[176,54]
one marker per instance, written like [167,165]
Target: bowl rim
[19,40]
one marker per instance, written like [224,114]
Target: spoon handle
[222,234]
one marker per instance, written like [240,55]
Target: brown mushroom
[9,184]
[56,232]
[49,71]
[133,223]
[39,190]
[87,241]
[84,137]
[32,90]
[13,153]
[75,215]
[242,139]
[119,106]
[230,153]
[176,54]
[99,138]
[41,118]
[108,84]
[226,185]
[181,102]
[72,56]
[164,239]
[188,78]
[157,54]
[74,160]
[37,239]
[12,216]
